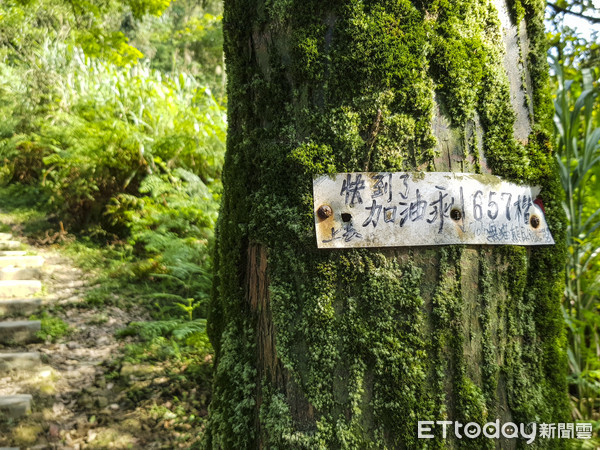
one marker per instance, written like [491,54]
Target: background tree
[350,348]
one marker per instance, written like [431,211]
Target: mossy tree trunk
[350,348]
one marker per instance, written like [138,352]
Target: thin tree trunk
[351,348]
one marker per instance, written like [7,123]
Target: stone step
[20,361]
[13,252]
[19,331]
[19,306]
[19,288]
[10,245]
[21,261]
[5,236]
[14,406]
[20,273]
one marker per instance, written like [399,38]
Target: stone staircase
[20,275]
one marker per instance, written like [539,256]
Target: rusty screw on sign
[324,212]
[456,215]
[534,221]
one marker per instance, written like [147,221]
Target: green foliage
[180,351]
[578,144]
[104,130]
[109,127]
[187,37]
[183,331]
[189,307]
[52,328]
[90,24]
[116,147]
[577,132]
[171,234]
[179,205]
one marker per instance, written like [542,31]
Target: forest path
[80,398]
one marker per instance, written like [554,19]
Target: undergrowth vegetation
[112,131]
[52,328]
[578,154]
[124,152]
[112,137]
[575,73]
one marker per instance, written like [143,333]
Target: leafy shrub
[106,129]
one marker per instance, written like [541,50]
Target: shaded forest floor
[99,387]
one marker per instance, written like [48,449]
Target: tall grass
[577,126]
[130,155]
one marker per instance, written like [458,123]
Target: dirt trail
[80,396]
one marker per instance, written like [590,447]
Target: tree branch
[560,9]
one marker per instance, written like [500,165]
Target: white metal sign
[383,209]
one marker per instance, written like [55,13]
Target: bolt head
[324,212]
[455,215]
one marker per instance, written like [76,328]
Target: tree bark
[351,348]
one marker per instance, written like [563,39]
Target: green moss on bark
[368,342]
